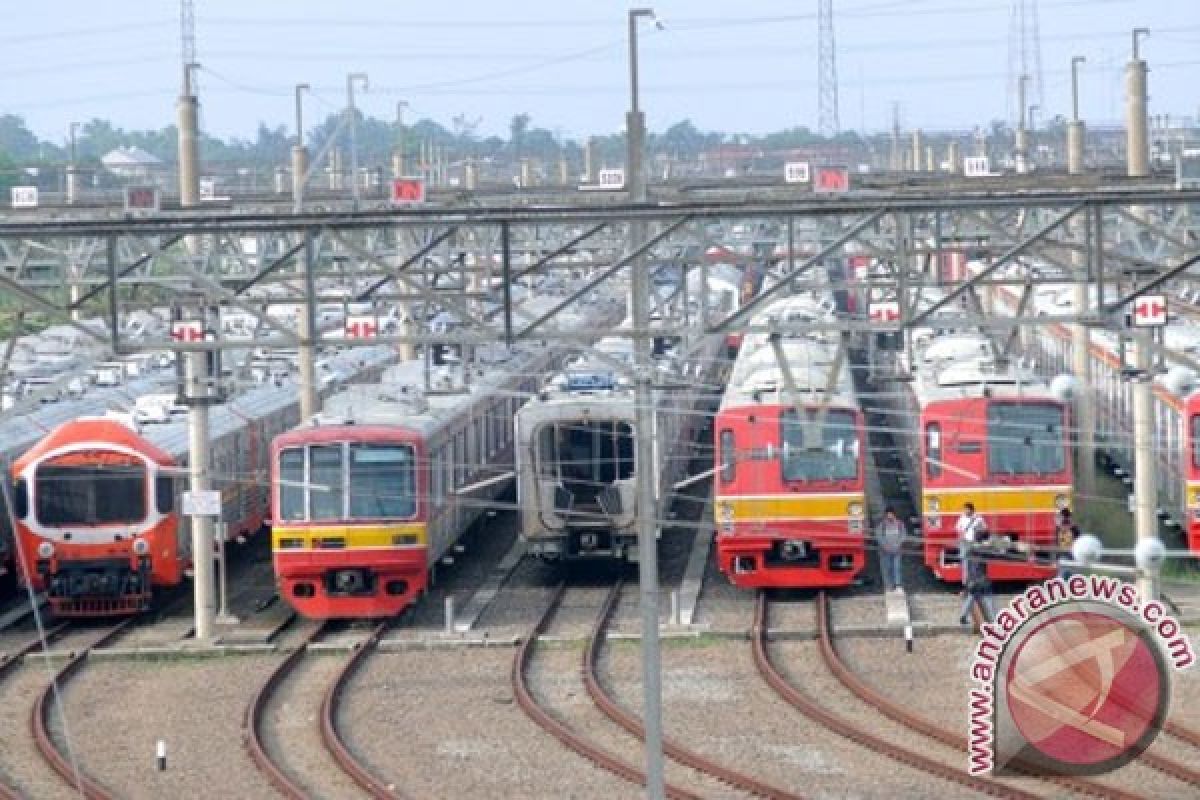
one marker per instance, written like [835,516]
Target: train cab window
[164,494]
[815,450]
[382,481]
[1025,439]
[90,495]
[933,450]
[21,499]
[728,456]
[325,479]
[291,484]
[1195,427]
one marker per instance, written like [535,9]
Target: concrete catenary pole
[305,325]
[647,506]
[1145,489]
[954,157]
[1136,135]
[589,160]
[197,380]
[1021,146]
[1076,133]
[73,169]
[351,79]
[299,153]
[398,156]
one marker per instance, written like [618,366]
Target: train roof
[758,378]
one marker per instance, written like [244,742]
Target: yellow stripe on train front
[997,500]
[790,506]
[348,537]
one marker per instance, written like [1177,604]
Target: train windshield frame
[1026,439]
[836,457]
[88,494]
[351,481]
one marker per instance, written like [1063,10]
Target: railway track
[690,758]
[9,662]
[67,768]
[329,731]
[339,752]
[922,725]
[861,735]
[599,756]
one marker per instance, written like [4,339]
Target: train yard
[431,539]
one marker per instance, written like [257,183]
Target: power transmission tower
[827,117]
[1024,58]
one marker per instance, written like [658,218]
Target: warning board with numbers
[24,197]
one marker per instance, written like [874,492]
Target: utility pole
[398,156]
[647,506]
[1076,133]
[306,326]
[1145,490]
[299,153]
[73,168]
[353,77]
[1021,143]
[197,380]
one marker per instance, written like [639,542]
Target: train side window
[292,491]
[933,449]
[164,494]
[1196,440]
[728,456]
[21,499]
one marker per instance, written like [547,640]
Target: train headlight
[45,550]
[141,547]
[935,505]
[855,509]
[1060,501]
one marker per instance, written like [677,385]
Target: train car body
[374,491]
[789,490]
[1176,405]
[577,465]
[992,434]
[98,500]
[93,502]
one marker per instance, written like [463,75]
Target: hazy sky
[745,66]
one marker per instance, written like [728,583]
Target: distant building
[134,165]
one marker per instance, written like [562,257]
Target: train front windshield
[820,450]
[1026,439]
[90,494]
[347,481]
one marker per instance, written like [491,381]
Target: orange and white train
[97,500]
[790,483]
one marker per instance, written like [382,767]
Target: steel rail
[923,725]
[8,663]
[569,738]
[39,720]
[341,753]
[252,722]
[633,725]
[853,732]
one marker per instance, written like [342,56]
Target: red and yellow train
[790,480]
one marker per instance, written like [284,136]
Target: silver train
[576,445]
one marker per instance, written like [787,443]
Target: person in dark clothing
[977,589]
[1066,532]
